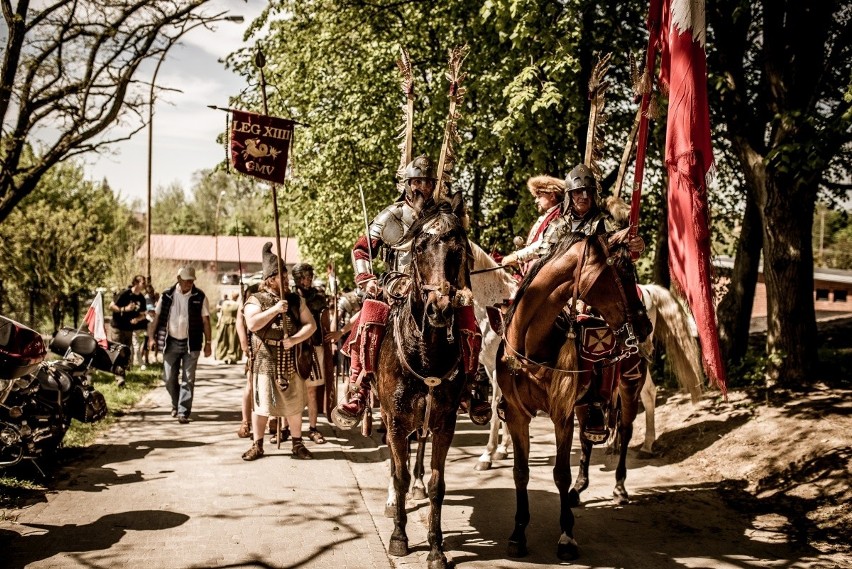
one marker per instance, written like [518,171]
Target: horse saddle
[597,340]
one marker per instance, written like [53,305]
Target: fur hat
[270,261]
[546,184]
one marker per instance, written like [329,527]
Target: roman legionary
[278,323]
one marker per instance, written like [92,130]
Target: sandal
[300,451]
[255,452]
[285,434]
[244,431]
[316,436]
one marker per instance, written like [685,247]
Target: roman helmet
[300,270]
[419,168]
[581,178]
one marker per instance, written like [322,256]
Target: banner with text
[260,145]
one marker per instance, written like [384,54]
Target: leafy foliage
[67,238]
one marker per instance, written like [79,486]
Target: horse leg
[437,488]
[585,458]
[629,388]
[566,548]
[649,399]
[505,445]
[484,462]
[398,445]
[418,488]
[519,428]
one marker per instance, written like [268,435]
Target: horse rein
[630,343]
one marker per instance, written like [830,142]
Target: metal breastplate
[390,226]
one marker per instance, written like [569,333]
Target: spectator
[182,328]
[129,316]
[227,342]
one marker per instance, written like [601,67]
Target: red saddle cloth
[369,333]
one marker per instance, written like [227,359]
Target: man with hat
[278,321]
[182,329]
[548,193]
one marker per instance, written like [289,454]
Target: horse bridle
[630,342]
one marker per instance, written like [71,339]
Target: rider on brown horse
[386,237]
[581,213]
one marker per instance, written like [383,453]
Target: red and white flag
[95,320]
[689,159]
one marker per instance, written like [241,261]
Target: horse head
[439,266]
[596,270]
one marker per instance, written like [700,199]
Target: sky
[185,129]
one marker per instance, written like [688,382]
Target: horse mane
[562,247]
[562,391]
[505,284]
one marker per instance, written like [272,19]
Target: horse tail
[563,384]
[674,331]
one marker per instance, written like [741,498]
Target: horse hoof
[501,455]
[482,465]
[418,493]
[646,454]
[390,510]
[439,563]
[573,498]
[517,549]
[620,497]
[567,551]
[398,547]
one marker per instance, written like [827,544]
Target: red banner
[260,145]
[689,157]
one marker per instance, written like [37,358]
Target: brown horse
[420,375]
[537,369]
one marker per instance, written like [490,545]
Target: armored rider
[581,213]
[386,234]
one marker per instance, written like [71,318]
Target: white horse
[675,328]
[491,288]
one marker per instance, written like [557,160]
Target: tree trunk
[734,311]
[791,339]
[662,276]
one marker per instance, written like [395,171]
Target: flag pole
[260,62]
[654,18]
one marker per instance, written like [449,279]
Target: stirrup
[480,412]
[344,418]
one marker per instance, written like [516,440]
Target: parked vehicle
[40,397]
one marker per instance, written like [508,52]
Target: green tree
[330,64]
[68,237]
[70,78]
[781,79]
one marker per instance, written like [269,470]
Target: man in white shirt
[181,328]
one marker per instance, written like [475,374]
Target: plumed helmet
[580,178]
[420,167]
[270,261]
[300,270]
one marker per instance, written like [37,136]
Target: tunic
[270,361]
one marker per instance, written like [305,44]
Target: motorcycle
[39,397]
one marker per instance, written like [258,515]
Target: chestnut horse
[420,375]
[537,369]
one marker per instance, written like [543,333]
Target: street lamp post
[216,236]
[185,29]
